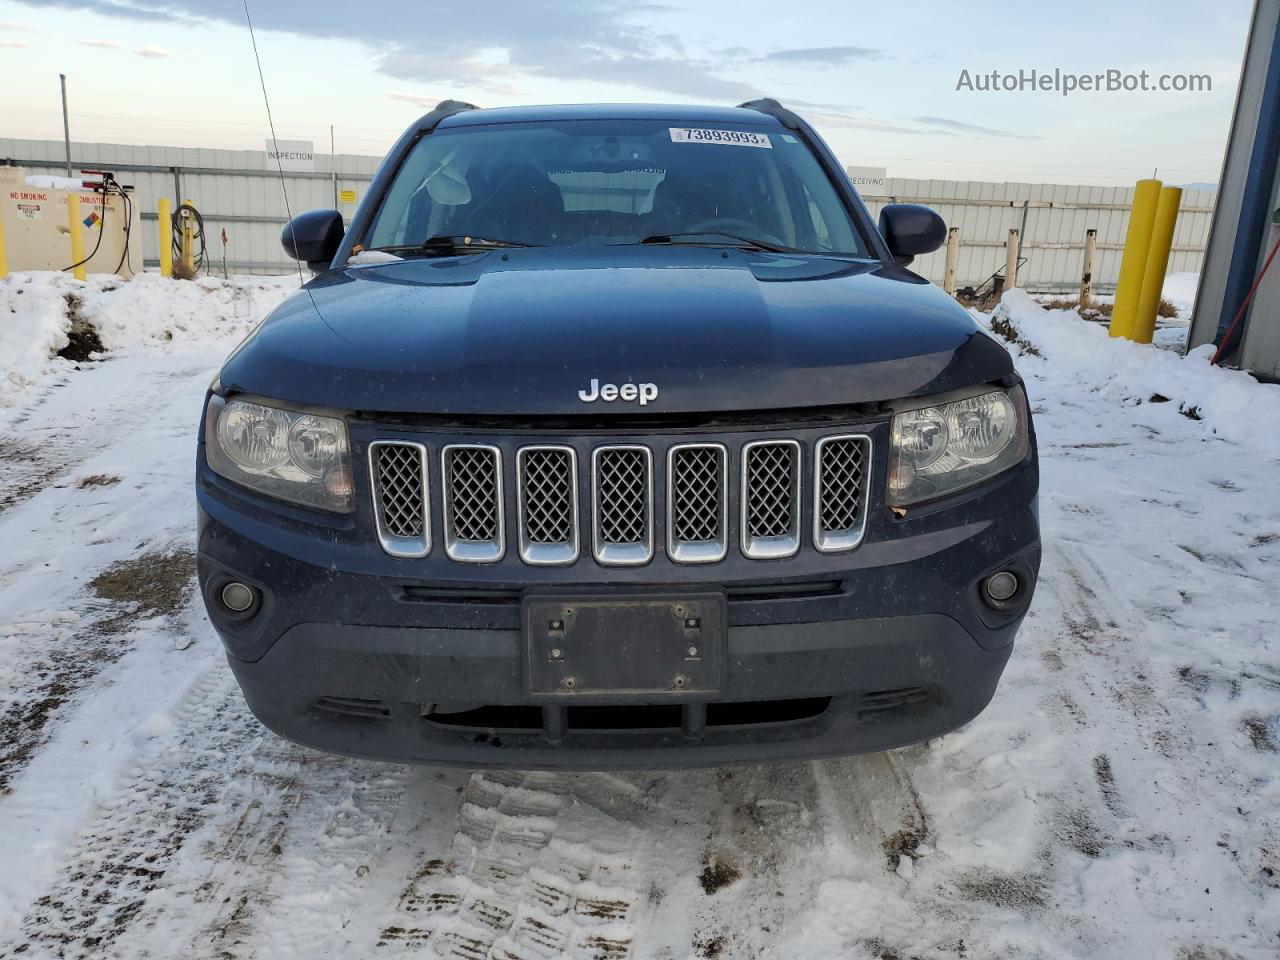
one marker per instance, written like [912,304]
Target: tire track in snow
[124,854]
[542,865]
[292,827]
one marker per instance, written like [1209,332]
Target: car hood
[524,331]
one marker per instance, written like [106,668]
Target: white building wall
[1057,217]
[235,190]
[239,190]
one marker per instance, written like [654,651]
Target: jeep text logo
[609,392]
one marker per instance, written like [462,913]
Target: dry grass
[1165,309]
[182,272]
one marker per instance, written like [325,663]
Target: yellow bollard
[1137,245]
[77,235]
[188,241]
[1144,325]
[4,257]
[165,215]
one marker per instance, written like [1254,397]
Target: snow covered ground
[1119,799]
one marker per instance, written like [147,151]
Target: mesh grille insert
[622,496]
[546,482]
[471,486]
[771,490]
[400,489]
[697,495]
[841,475]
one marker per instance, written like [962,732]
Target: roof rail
[445,108]
[773,108]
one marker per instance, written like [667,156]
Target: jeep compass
[616,436]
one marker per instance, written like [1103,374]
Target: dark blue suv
[616,436]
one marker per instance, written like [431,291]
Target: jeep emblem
[609,392]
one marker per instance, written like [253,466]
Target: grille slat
[766,493]
[622,504]
[548,504]
[770,498]
[840,490]
[398,473]
[696,503]
[473,502]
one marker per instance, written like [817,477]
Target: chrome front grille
[697,502]
[770,498]
[398,472]
[473,518]
[622,505]
[547,494]
[701,511]
[840,491]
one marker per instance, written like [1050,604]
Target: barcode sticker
[732,138]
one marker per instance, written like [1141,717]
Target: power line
[275,142]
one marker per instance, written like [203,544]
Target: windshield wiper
[463,243]
[450,244]
[735,240]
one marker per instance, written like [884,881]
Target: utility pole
[333,166]
[66,123]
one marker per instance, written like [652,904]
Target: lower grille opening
[784,591]
[754,713]
[880,700]
[632,717]
[353,707]
[490,718]
[469,596]
[639,717]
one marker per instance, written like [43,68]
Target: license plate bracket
[605,647]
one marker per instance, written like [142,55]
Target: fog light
[1002,586]
[237,597]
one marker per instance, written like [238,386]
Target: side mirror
[314,237]
[911,230]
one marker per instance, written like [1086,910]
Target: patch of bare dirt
[717,873]
[97,480]
[83,341]
[147,586]
[156,584]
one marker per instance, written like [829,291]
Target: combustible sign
[296,155]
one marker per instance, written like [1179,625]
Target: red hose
[1245,306]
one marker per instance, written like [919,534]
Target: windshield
[616,181]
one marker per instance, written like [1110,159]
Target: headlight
[945,448]
[299,457]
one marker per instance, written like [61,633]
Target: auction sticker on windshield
[733,138]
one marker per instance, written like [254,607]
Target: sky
[883,83]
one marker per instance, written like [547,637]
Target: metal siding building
[239,190]
[1244,230]
[1056,218]
[235,190]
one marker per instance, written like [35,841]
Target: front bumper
[353,652]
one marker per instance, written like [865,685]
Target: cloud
[418,100]
[153,53]
[100,44]
[571,40]
[841,108]
[12,44]
[956,126]
[9,26]
[827,56]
